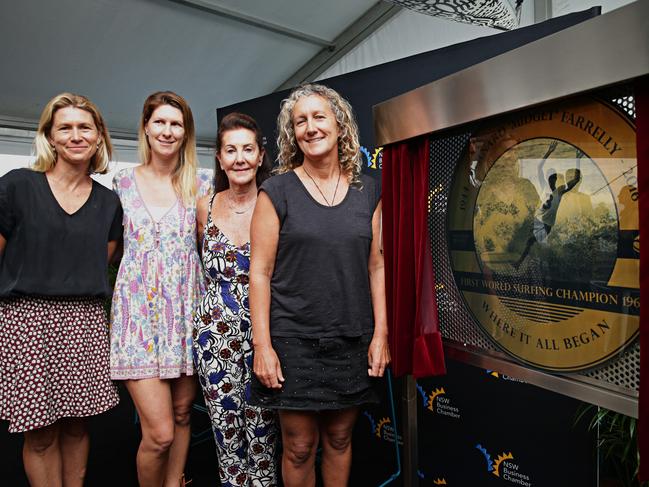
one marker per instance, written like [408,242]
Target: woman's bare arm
[264,236]
[202,207]
[378,354]
[113,247]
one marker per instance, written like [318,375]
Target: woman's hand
[378,355]
[267,367]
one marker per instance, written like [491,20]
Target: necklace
[333,199]
[237,211]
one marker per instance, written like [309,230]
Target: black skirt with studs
[319,374]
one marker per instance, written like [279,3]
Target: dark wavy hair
[234,121]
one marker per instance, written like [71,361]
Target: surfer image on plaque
[533,218]
[546,215]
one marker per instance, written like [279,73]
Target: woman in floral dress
[245,435]
[158,285]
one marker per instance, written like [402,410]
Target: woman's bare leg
[336,429]
[74,443]
[42,456]
[152,399]
[183,391]
[300,442]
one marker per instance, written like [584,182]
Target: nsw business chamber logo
[505,467]
[382,428]
[373,159]
[436,481]
[438,401]
[498,375]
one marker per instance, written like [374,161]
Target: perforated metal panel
[456,323]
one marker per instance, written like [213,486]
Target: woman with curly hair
[317,288]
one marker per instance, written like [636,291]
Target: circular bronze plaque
[543,233]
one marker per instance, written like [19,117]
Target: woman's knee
[39,441]
[338,440]
[159,438]
[74,428]
[300,451]
[182,414]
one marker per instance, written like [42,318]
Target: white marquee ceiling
[118,51]
[213,52]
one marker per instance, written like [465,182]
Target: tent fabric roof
[213,52]
[117,52]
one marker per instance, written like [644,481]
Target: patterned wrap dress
[245,435]
[157,287]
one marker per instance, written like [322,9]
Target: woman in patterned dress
[245,435]
[58,230]
[158,285]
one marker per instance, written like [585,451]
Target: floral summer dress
[245,435]
[158,285]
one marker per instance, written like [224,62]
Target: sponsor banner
[543,233]
[508,433]
[374,450]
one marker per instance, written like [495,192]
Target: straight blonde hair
[45,153]
[183,177]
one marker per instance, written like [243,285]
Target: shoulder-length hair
[184,176]
[291,156]
[45,153]
[234,121]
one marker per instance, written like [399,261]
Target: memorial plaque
[543,233]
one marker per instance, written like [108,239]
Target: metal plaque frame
[598,53]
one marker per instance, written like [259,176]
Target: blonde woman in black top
[58,229]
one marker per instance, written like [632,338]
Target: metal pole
[542,10]
[410,444]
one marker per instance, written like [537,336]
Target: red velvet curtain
[642,142]
[415,341]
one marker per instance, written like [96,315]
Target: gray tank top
[320,284]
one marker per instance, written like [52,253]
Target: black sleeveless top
[320,284]
[48,251]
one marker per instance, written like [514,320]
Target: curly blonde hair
[45,154]
[290,155]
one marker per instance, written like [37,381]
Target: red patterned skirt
[54,361]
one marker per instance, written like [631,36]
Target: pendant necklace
[333,199]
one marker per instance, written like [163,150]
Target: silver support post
[410,444]
[542,10]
